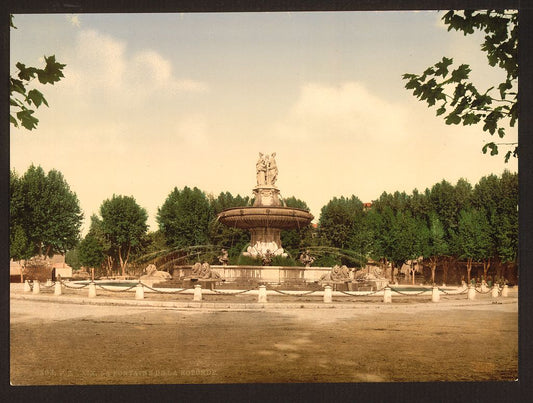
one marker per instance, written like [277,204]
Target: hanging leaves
[439,87]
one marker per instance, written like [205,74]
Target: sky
[150,102]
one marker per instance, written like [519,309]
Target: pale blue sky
[153,101]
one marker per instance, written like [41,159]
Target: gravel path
[73,343]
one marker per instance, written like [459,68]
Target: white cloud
[102,66]
[347,112]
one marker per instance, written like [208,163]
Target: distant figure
[267,258]
[272,170]
[306,259]
[261,168]
[224,259]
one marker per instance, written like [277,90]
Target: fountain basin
[278,217]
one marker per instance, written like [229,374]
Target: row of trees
[474,224]
[470,223]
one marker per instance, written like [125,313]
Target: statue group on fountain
[267,170]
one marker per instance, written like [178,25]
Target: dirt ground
[65,343]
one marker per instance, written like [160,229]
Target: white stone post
[495,291]
[471,292]
[27,287]
[139,291]
[435,296]
[387,295]
[328,294]
[505,291]
[57,288]
[483,286]
[92,290]
[262,296]
[197,293]
[36,287]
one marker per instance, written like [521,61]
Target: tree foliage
[22,98]
[443,223]
[295,240]
[184,217]
[339,220]
[233,240]
[45,216]
[123,224]
[448,87]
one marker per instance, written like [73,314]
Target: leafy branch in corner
[22,99]
[450,89]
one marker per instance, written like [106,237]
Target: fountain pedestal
[267,217]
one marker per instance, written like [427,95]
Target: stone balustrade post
[435,296]
[92,290]
[36,287]
[27,287]
[139,291]
[197,293]
[495,291]
[505,291]
[57,288]
[471,295]
[328,294]
[262,296]
[387,295]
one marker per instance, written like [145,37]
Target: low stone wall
[266,274]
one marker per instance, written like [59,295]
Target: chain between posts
[231,293]
[165,292]
[74,288]
[481,292]
[361,295]
[107,289]
[408,295]
[454,293]
[293,295]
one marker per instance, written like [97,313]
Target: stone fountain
[267,217]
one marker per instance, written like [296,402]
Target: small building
[56,261]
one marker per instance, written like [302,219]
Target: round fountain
[267,217]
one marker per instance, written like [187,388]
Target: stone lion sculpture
[337,274]
[202,271]
[152,272]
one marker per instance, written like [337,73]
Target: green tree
[437,245]
[72,258]
[184,217]
[22,99]
[20,247]
[456,97]
[447,200]
[295,240]
[498,196]
[123,223]
[507,226]
[472,240]
[339,220]
[407,239]
[232,239]
[46,213]
[91,252]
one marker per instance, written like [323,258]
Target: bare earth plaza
[264,198]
